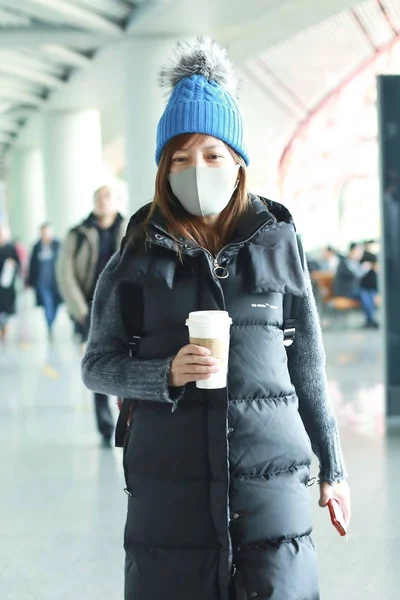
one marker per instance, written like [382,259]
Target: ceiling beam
[9,83]
[5,107]
[66,56]
[17,113]
[36,36]
[20,97]
[113,8]
[5,138]
[142,13]
[26,9]
[23,72]
[80,16]
[11,125]
[12,19]
[30,61]
[7,129]
[8,126]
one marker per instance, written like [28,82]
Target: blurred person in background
[314,268]
[329,261]
[23,255]
[218,505]
[42,275]
[348,283]
[370,252]
[369,281]
[84,254]
[313,264]
[9,268]
[322,268]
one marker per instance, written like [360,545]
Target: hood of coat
[280,212]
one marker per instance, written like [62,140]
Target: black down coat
[218,487]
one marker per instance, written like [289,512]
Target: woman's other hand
[339,491]
[192,363]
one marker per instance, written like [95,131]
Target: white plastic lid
[206,316]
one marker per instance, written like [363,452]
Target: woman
[9,267]
[42,275]
[218,505]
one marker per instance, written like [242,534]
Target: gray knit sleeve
[107,367]
[306,360]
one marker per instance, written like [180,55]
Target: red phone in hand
[337,517]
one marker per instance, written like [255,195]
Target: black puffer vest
[218,501]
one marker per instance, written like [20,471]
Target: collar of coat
[261,213]
[91,221]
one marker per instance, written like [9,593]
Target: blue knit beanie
[203,85]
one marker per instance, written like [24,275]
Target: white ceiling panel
[393,10]
[314,61]
[373,18]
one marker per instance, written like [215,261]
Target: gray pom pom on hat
[203,89]
[201,57]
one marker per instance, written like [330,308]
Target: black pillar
[389,139]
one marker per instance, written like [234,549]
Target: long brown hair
[179,222]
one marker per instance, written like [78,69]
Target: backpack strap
[132,316]
[292,307]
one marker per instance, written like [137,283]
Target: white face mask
[204,191]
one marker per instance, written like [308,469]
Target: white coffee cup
[211,329]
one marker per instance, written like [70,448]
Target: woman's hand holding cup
[192,363]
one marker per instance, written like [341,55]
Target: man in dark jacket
[85,252]
[347,283]
[42,274]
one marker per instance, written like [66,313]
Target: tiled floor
[62,505]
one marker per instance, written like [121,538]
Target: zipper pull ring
[220,272]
